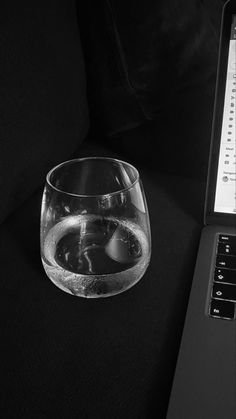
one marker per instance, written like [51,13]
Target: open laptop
[204,385]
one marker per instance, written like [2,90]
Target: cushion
[43,106]
[142,59]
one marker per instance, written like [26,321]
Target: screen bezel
[211,216]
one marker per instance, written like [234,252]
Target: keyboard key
[224,291]
[223,261]
[225,275]
[222,309]
[226,249]
[227,238]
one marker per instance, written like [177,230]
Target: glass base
[95,286]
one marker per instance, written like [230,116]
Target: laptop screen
[220,205]
[225,196]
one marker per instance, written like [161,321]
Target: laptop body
[204,385]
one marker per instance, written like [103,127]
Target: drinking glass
[95,232]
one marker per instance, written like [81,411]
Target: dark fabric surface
[151,71]
[178,141]
[144,58]
[43,104]
[64,356]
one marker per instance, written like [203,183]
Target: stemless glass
[95,232]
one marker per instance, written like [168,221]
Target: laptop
[204,385]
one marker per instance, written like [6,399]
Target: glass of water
[95,232]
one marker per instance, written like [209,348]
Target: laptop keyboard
[223,292]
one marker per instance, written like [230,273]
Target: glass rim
[80,159]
